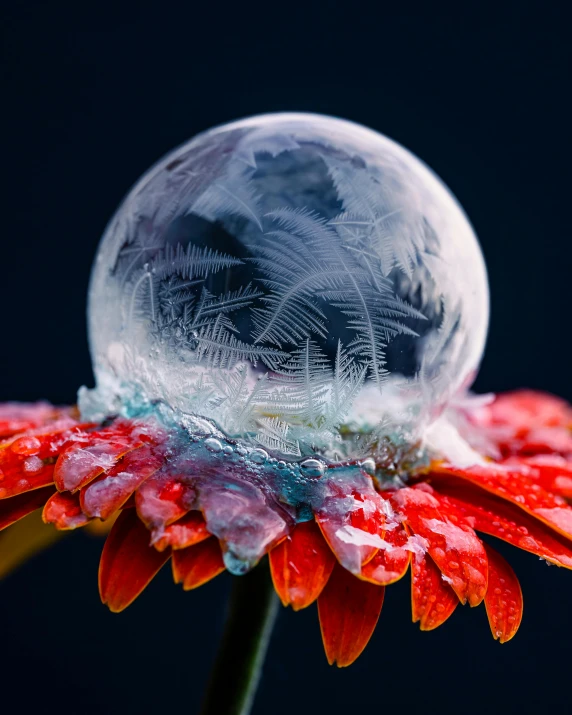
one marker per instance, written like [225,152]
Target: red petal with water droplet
[349,610]
[492,515]
[544,440]
[519,487]
[389,565]
[128,563]
[16,508]
[64,511]
[161,500]
[17,417]
[455,548]
[109,492]
[432,599]
[301,565]
[198,564]
[352,502]
[187,531]
[504,598]
[525,409]
[551,471]
[225,499]
[26,461]
[81,462]
[19,481]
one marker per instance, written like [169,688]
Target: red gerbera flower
[359,533]
[250,298]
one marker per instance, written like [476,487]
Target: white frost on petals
[455,538]
[443,438]
[417,545]
[358,537]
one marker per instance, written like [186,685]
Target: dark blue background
[94,94]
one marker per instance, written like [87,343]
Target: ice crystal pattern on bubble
[277,307]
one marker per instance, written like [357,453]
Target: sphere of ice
[300,281]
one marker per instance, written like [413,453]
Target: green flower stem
[237,669]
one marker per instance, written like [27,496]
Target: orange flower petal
[198,564]
[301,565]
[128,563]
[161,501]
[224,499]
[391,564]
[504,598]
[16,417]
[15,508]
[491,515]
[187,531]
[523,409]
[517,486]
[551,471]
[455,548]
[109,492]
[432,599]
[81,461]
[349,610]
[353,504]
[31,474]
[27,460]
[543,440]
[64,511]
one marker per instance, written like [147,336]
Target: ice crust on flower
[295,282]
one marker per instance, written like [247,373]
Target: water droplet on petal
[213,445]
[258,456]
[368,465]
[26,445]
[312,468]
[33,465]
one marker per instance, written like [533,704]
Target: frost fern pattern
[276,340]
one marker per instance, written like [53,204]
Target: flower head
[336,533]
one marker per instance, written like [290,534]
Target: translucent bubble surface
[296,282]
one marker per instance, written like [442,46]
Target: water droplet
[33,465]
[213,445]
[368,465]
[453,565]
[281,465]
[312,468]
[26,445]
[258,456]
[228,449]
[241,450]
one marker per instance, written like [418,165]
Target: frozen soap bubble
[294,281]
